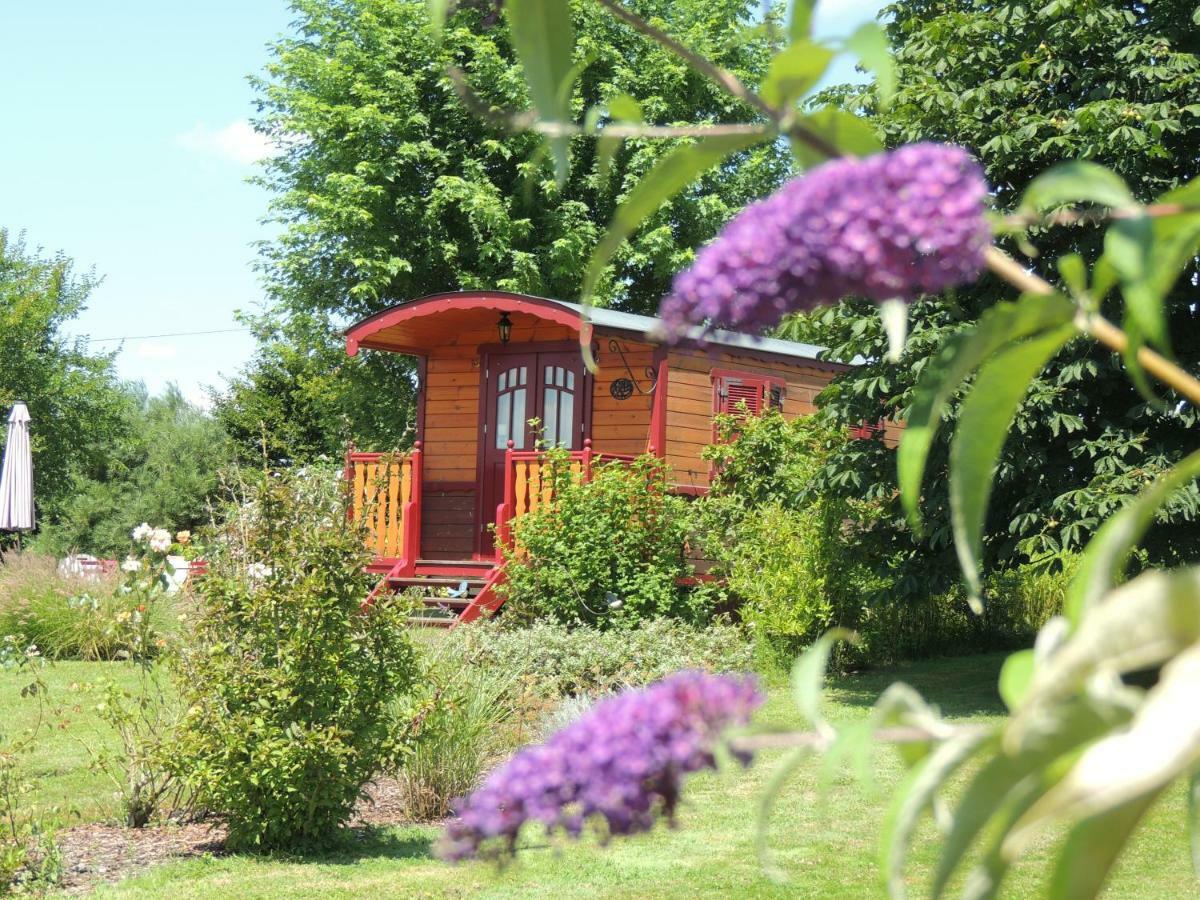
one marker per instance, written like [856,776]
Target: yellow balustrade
[383,486]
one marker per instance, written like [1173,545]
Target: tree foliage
[75,401]
[1024,87]
[164,468]
[389,188]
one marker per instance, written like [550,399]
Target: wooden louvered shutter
[742,396]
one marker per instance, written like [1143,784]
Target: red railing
[529,484]
[386,495]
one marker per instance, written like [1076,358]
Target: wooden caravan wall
[690,401]
[621,426]
[451,435]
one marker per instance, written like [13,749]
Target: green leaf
[1127,245]
[437,16]
[1107,553]
[915,795]
[1091,849]
[543,36]
[996,783]
[983,882]
[671,174]
[870,44]
[622,108]
[1138,625]
[1074,273]
[793,71]
[770,794]
[853,135]
[984,420]
[800,19]
[959,357]
[1077,182]
[1176,238]
[1015,676]
[1162,743]
[808,674]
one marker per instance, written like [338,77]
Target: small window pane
[503,382]
[558,376]
[549,379]
[523,370]
[570,380]
[503,413]
[550,417]
[519,418]
[566,431]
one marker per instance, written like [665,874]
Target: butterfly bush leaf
[870,44]
[1140,624]
[808,674]
[984,421]
[915,795]
[1000,779]
[1162,743]
[670,175]
[793,72]
[1076,182]
[1091,849]
[943,376]
[1015,677]
[1107,553]
[543,36]
[800,19]
[851,134]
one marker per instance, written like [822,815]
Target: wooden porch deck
[387,493]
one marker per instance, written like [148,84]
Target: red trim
[657,443]
[422,367]
[486,601]
[359,335]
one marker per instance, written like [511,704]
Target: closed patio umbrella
[16,474]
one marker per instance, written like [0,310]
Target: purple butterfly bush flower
[892,226]
[621,763]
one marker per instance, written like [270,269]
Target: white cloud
[237,142]
[155,350]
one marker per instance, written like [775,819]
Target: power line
[145,337]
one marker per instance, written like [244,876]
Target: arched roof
[420,325]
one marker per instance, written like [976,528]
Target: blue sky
[127,147]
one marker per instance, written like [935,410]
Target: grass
[824,837]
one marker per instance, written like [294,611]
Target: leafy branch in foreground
[1080,745]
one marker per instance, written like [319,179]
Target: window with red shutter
[743,393]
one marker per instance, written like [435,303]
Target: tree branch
[1096,326]
[726,79]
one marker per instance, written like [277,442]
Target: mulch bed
[95,854]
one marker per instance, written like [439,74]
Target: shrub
[70,617]
[788,555]
[289,686]
[457,724]
[609,551]
[552,660]
[1018,602]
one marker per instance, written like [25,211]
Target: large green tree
[76,403]
[388,187]
[1024,87]
[163,468]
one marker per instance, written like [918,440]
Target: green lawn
[824,837]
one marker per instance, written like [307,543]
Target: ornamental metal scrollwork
[614,346]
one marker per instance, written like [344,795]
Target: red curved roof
[368,332]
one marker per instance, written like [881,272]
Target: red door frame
[487,352]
